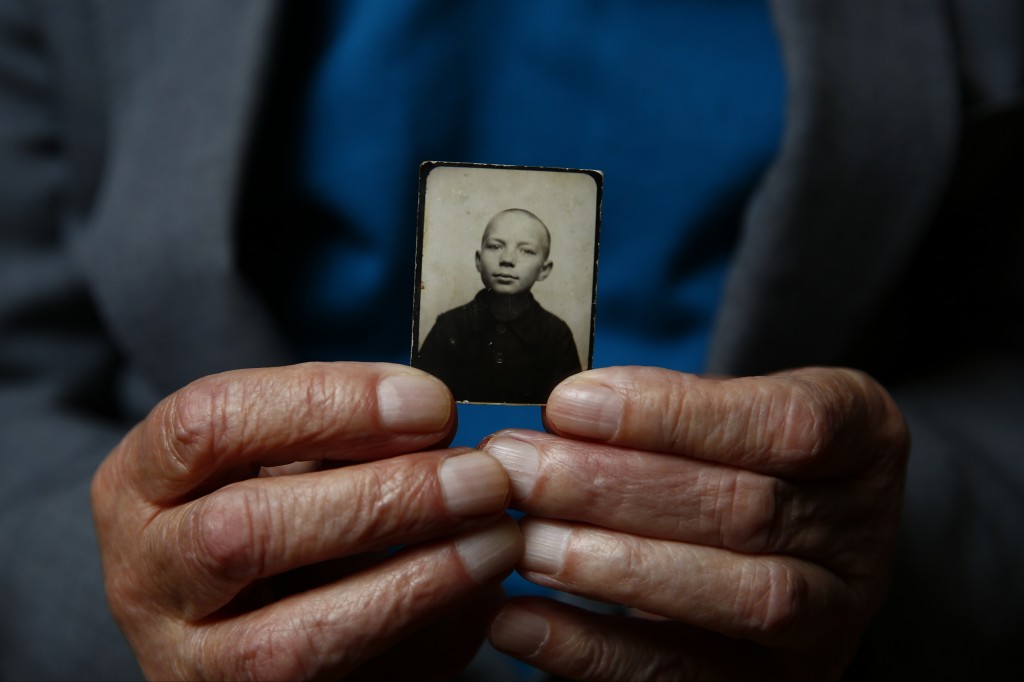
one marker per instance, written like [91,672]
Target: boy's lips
[505,279]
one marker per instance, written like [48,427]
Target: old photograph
[506,278]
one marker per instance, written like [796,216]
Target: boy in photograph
[503,346]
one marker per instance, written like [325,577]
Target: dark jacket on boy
[483,359]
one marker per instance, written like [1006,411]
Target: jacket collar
[526,325]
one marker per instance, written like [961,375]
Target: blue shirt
[679,103]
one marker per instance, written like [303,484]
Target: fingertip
[585,408]
[490,552]
[474,483]
[414,402]
[545,545]
[520,460]
[518,631]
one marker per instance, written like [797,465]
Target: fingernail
[473,484]
[586,409]
[546,544]
[520,460]
[491,551]
[519,632]
[413,403]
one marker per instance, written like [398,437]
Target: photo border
[425,169]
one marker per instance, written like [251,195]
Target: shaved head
[514,252]
[521,215]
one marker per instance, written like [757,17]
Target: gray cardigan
[886,236]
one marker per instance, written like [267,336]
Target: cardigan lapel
[871,139]
[182,91]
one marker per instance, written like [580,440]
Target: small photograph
[506,278]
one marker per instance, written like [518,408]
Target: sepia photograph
[506,278]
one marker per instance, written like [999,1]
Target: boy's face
[513,254]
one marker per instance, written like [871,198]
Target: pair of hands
[247,525]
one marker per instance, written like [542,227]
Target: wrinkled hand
[750,521]
[215,571]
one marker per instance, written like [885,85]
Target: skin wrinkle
[178,435]
[327,400]
[326,618]
[217,522]
[769,594]
[624,566]
[131,579]
[789,427]
[612,650]
[243,425]
[131,584]
[753,526]
[589,649]
[397,597]
[368,506]
[200,430]
[729,506]
[607,487]
[691,506]
[599,661]
[709,513]
[279,650]
[584,485]
[677,415]
[316,412]
[807,427]
[223,547]
[835,407]
[769,416]
[748,597]
[208,416]
[381,506]
[589,655]
[790,517]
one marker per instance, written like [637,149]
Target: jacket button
[499,357]
[502,328]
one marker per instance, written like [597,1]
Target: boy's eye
[528,251]
[493,246]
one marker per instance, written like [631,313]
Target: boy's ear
[545,271]
[478,261]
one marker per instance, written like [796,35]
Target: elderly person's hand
[216,571]
[749,522]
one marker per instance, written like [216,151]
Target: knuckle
[233,531]
[846,408]
[275,652]
[597,662]
[770,596]
[806,424]
[264,650]
[400,498]
[674,400]
[745,511]
[199,421]
[590,657]
[630,565]
[384,504]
